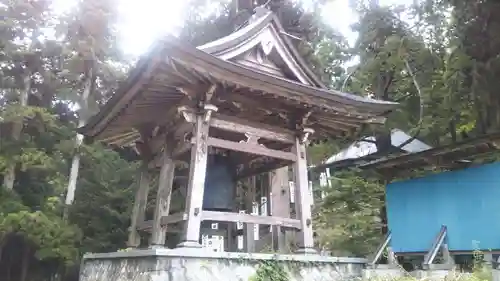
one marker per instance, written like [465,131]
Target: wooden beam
[280,206]
[255,101]
[251,148]
[161,114]
[145,225]
[302,199]
[165,220]
[139,210]
[148,226]
[182,129]
[178,151]
[242,126]
[157,142]
[175,218]
[253,219]
[116,138]
[248,228]
[264,131]
[273,165]
[162,207]
[196,185]
[181,148]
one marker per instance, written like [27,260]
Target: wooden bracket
[251,139]
[305,134]
[210,93]
[187,113]
[305,118]
[209,109]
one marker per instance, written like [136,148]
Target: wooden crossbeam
[264,131]
[246,218]
[251,148]
[178,151]
[165,220]
[273,165]
[173,228]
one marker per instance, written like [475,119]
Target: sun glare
[140,23]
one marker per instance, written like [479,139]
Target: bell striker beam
[162,206]
[302,198]
[196,181]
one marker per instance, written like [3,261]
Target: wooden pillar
[196,185]
[248,230]
[302,199]
[139,210]
[280,206]
[162,207]
[232,238]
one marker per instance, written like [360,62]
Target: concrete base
[495,274]
[202,265]
[389,272]
[383,272]
[434,274]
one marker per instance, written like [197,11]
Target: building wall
[466,201]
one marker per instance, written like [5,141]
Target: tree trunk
[25,263]
[75,164]
[17,128]
[2,245]
[8,268]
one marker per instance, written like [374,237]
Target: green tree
[91,45]
[348,217]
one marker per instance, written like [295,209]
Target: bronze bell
[220,184]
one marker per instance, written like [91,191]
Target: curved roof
[266,30]
[256,64]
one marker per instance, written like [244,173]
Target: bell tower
[213,117]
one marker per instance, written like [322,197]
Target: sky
[140,25]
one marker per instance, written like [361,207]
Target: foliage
[41,79]
[431,66]
[348,217]
[270,270]
[104,199]
[475,62]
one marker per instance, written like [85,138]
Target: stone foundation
[383,272]
[495,274]
[201,265]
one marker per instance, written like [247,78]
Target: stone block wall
[197,265]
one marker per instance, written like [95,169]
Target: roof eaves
[236,37]
[253,28]
[133,77]
[196,54]
[295,53]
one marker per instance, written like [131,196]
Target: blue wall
[466,201]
